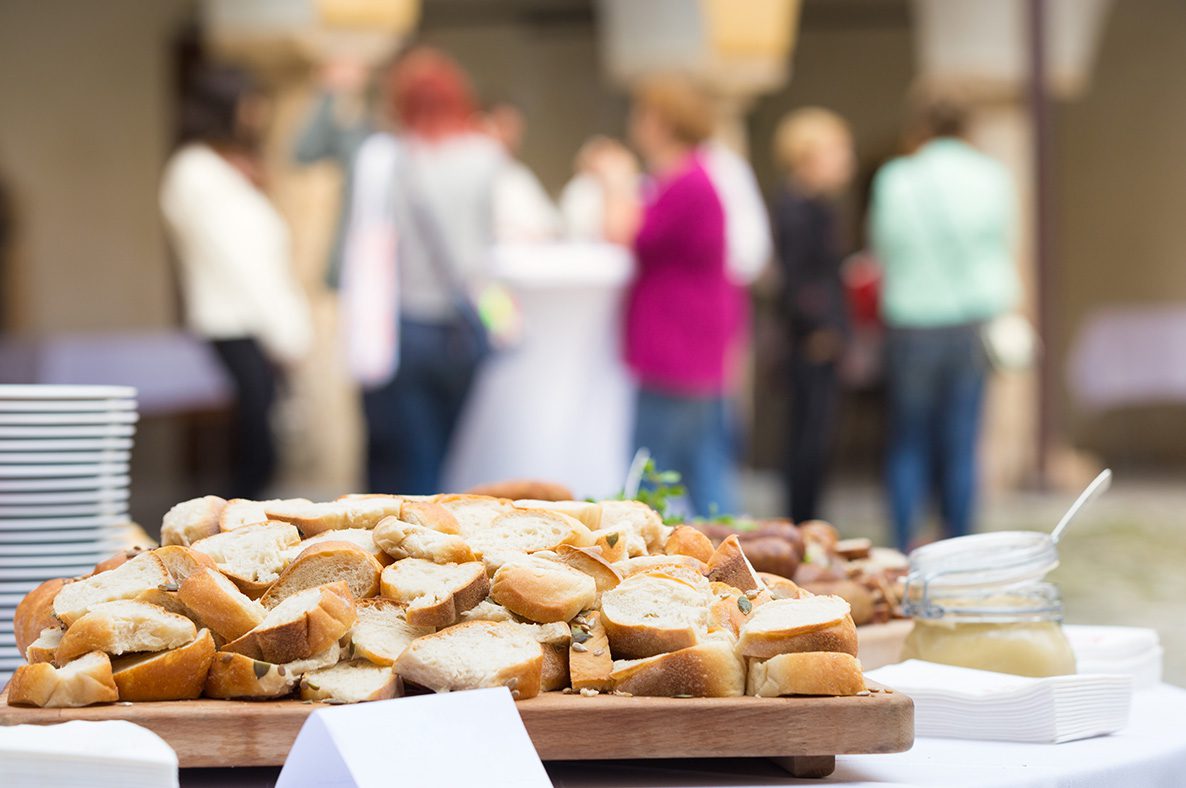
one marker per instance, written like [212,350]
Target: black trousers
[254,446]
[815,389]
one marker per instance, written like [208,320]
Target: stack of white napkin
[91,754]
[961,703]
[1131,651]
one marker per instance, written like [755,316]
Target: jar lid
[998,559]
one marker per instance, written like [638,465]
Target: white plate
[58,523]
[61,391]
[39,562]
[46,457]
[104,482]
[106,547]
[53,471]
[23,538]
[109,418]
[100,497]
[39,574]
[92,509]
[72,432]
[66,444]
[21,587]
[65,406]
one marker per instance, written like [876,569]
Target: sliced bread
[589,660]
[650,614]
[806,673]
[783,626]
[587,512]
[82,682]
[529,531]
[429,514]
[363,537]
[651,563]
[686,540]
[473,513]
[355,681]
[474,655]
[252,555]
[731,608]
[176,674]
[435,595]
[781,587]
[124,626]
[707,670]
[143,572]
[316,518]
[305,624]
[327,562]
[240,512]
[400,539]
[181,562]
[171,601]
[220,604]
[35,613]
[382,631]
[728,564]
[638,519]
[590,561]
[542,590]
[238,676]
[488,610]
[191,520]
[45,646]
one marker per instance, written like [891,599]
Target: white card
[457,738]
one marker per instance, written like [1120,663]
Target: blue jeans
[691,435]
[936,380]
[411,419]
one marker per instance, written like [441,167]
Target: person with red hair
[417,249]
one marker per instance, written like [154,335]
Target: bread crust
[312,632]
[805,673]
[706,670]
[543,591]
[840,636]
[448,608]
[401,539]
[686,540]
[181,562]
[225,613]
[302,572]
[728,611]
[391,687]
[590,561]
[384,607]
[728,564]
[781,587]
[36,612]
[49,687]
[589,660]
[100,630]
[176,674]
[523,678]
[536,489]
[238,676]
[68,607]
[191,520]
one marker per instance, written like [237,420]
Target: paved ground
[1123,560]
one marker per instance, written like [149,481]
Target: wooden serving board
[563,727]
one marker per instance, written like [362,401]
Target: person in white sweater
[234,254]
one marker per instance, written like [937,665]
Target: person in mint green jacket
[943,223]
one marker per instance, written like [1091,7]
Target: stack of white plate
[64,460]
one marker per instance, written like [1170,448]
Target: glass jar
[980,602]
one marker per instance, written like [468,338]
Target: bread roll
[82,682]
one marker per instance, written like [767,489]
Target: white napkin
[960,703]
[83,753]
[1133,651]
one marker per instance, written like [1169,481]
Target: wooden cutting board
[807,731]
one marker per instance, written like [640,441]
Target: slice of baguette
[237,676]
[240,512]
[181,562]
[176,674]
[488,610]
[543,591]
[382,631]
[326,562]
[589,660]
[590,561]
[732,608]
[126,581]
[45,646]
[124,626]
[686,540]
[649,614]
[435,595]
[82,682]
[806,673]
[638,519]
[305,624]
[554,639]
[355,681]
[587,512]
[728,564]
[783,626]
[116,560]
[35,613]
[529,531]
[707,670]
[169,600]
[220,604]
[474,655]
[191,520]
[429,514]
[316,518]
[362,537]
[781,587]
[473,513]
[400,539]
[651,563]
[252,555]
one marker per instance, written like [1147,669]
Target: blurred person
[749,246]
[582,200]
[523,211]
[422,224]
[942,221]
[814,148]
[334,130]
[683,313]
[233,247]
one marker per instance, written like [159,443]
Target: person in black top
[814,148]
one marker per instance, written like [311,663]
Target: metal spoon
[1098,486]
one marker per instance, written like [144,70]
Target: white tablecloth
[1149,753]
[559,405]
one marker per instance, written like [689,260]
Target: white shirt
[523,211]
[748,243]
[235,256]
